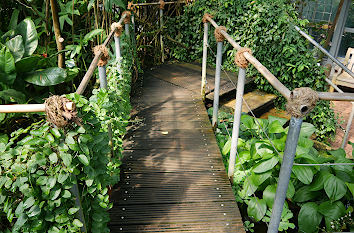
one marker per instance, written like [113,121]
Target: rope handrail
[24,108]
[272,79]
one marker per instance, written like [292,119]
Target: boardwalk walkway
[173,178]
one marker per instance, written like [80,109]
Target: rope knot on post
[217,33]
[206,16]
[117,28]
[302,100]
[128,14]
[240,59]
[105,56]
[131,7]
[60,111]
[162,4]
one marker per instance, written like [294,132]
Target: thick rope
[218,36]
[105,56]
[240,59]
[128,15]
[60,111]
[206,15]
[117,28]
[302,100]
[162,4]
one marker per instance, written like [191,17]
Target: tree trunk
[58,38]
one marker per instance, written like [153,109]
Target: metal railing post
[161,38]
[237,121]
[285,172]
[103,85]
[217,84]
[204,62]
[347,129]
[118,54]
[75,190]
[126,27]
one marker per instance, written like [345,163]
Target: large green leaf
[318,181]
[307,129]
[7,66]
[266,165]
[291,190]
[47,77]
[256,208]
[309,218]
[281,121]
[27,64]
[334,187]
[258,179]
[16,47]
[89,36]
[269,195]
[333,210]
[303,173]
[28,31]
[305,194]
[275,127]
[13,20]
[12,95]
[350,187]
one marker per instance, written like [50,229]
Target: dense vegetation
[318,197]
[46,170]
[267,28]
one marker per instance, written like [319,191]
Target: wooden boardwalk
[173,178]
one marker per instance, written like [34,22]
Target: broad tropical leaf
[28,31]
[47,77]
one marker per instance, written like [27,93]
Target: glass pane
[348,38]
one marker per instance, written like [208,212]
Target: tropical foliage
[319,194]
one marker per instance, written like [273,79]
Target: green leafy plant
[320,194]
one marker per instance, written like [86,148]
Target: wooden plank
[173,178]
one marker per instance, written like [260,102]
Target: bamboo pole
[59,40]
[11,108]
[94,62]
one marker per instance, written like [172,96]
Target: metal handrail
[295,122]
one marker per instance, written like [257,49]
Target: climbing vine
[40,165]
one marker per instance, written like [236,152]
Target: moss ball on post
[301,102]
[105,56]
[206,16]
[162,4]
[128,15]
[217,33]
[240,59]
[117,28]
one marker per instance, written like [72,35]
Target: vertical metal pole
[118,54]
[204,63]
[103,77]
[75,190]
[285,172]
[237,120]
[161,39]
[103,85]
[347,129]
[338,32]
[126,27]
[217,84]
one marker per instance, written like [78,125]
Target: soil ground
[343,108]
